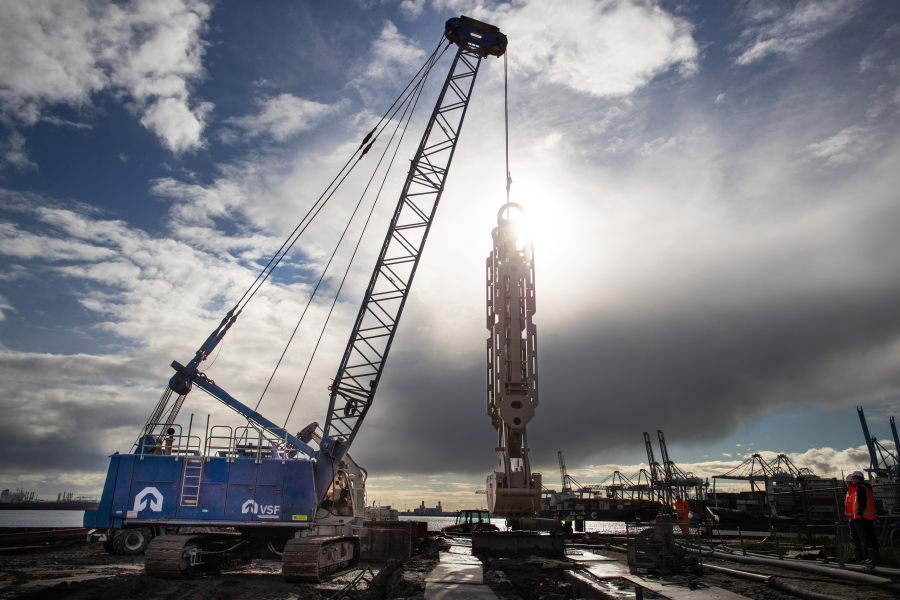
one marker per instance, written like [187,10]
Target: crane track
[166,556]
[317,559]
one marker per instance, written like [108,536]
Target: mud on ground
[86,572]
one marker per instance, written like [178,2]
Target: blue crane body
[196,506]
[145,490]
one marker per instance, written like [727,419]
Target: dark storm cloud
[706,343]
[71,432]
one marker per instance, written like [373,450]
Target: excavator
[203,505]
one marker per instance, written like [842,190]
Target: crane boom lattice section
[373,333]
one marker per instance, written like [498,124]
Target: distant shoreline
[410,513]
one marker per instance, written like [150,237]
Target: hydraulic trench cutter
[258,490]
[512,380]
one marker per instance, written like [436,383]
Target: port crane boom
[281,496]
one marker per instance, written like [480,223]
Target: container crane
[882,462]
[566,488]
[657,475]
[280,495]
[676,480]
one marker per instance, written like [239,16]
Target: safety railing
[169,441]
[243,442]
[221,441]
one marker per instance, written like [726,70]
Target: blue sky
[712,188]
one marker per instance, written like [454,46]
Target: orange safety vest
[869,510]
[682,510]
[850,501]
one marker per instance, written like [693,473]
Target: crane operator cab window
[337,500]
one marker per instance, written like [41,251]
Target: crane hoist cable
[506,122]
[361,151]
[411,101]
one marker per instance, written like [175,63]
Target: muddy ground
[85,572]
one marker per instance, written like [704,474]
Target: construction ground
[444,569]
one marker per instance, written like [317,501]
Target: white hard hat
[857,474]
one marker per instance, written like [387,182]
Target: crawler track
[168,556]
[318,559]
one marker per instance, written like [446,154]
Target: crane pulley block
[466,31]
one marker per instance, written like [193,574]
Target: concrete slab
[455,573]
[459,559]
[607,570]
[588,557]
[676,587]
[457,591]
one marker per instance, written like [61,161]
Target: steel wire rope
[419,86]
[506,122]
[352,257]
[294,234]
[282,250]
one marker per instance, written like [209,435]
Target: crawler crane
[272,492]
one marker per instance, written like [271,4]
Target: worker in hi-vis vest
[862,517]
[682,512]
[849,508]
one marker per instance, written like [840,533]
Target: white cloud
[177,124]
[392,56]
[62,52]
[13,154]
[827,462]
[159,297]
[776,27]
[656,145]
[411,9]
[824,462]
[602,48]
[283,116]
[25,245]
[845,147]
[5,305]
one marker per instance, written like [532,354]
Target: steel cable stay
[355,250]
[402,96]
[406,116]
[232,315]
[295,234]
[181,383]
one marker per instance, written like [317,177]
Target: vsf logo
[155,499]
[261,512]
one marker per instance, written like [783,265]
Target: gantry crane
[564,476]
[882,462]
[280,495]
